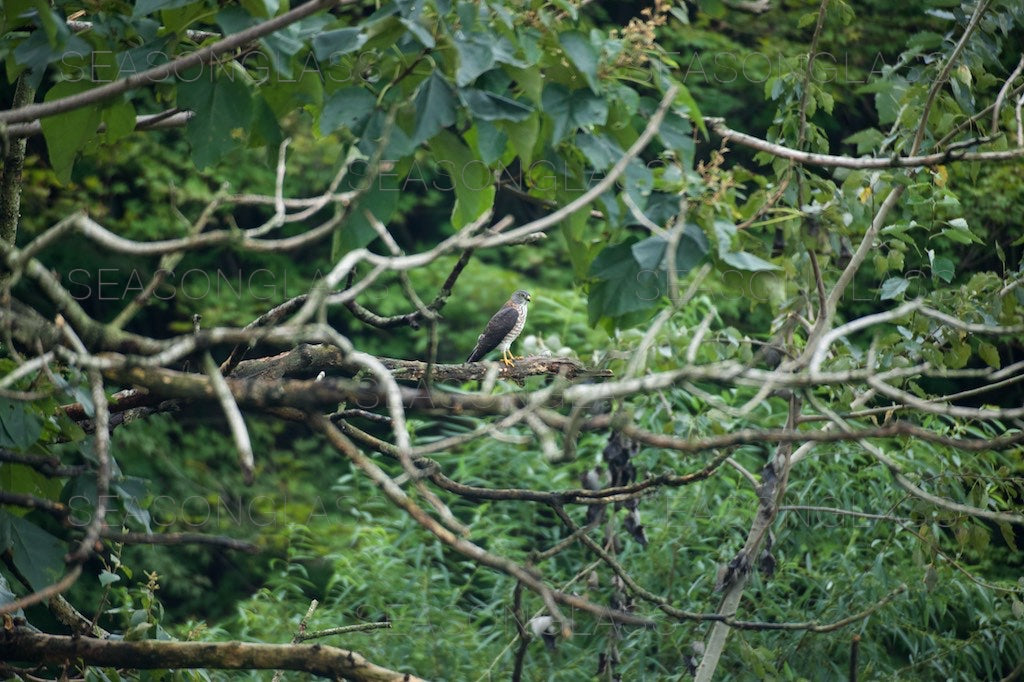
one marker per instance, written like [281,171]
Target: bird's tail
[474,356]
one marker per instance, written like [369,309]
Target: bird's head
[521,297]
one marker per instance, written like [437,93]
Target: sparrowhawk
[506,325]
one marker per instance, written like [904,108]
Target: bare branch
[865,162]
[234,417]
[994,128]
[325,661]
[171,539]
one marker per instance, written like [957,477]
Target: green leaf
[471,178]
[421,32]
[476,56]
[144,7]
[988,353]
[435,105]
[223,112]
[281,46]
[959,232]
[346,108]
[331,44]
[572,109]
[130,490]
[488,141]
[893,287]
[866,140]
[381,199]
[943,268]
[489,106]
[601,152]
[676,133]
[741,260]
[66,134]
[108,578]
[577,46]
[523,136]
[19,427]
[38,555]
[119,118]
[19,478]
[693,112]
[623,286]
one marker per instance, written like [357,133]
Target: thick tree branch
[36,647]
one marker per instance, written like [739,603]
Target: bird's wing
[495,332]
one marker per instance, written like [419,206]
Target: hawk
[504,328]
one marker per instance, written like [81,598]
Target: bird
[503,328]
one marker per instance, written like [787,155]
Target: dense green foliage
[519,108]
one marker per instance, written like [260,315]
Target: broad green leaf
[988,353]
[66,134]
[380,199]
[623,286]
[178,19]
[676,133]
[107,578]
[130,490]
[577,46]
[119,118]
[223,111]
[38,555]
[579,250]
[421,32]
[476,56]
[144,7]
[523,136]
[893,287]
[377,131]
[490,106]
[19,426]
[959,232]
[601,152]
[943,268]
[20,478]
[471,178]
[866,140]
[435,108]
[281,46]
[741,260]
[488,141]
[332,44]
[572,109]
[725,231]
[346,108]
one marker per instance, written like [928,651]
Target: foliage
[439,114]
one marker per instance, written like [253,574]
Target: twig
[239,431]
[344,629]
[866,162]
[131,538]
